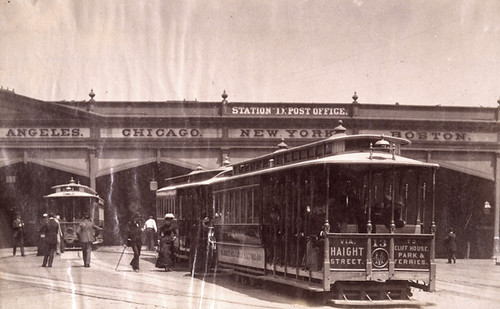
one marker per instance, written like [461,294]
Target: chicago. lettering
[160,132]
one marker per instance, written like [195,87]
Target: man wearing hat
[86,235]
[41,245]
[18,234]
[134,240]
[50,230]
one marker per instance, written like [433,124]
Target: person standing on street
[450,243]
[134,241]
[50,230]
[86,235]
[167,236]
[41,245]
[151,229]
[18,234]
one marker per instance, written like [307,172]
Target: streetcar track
[457,289]
[475,285]
[108,293]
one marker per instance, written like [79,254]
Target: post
[496,226]
[392,263]
[432,279]
[326,230]
[369,227]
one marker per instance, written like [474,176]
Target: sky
[414,52]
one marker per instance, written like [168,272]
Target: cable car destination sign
[350,252]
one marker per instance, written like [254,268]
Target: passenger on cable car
[299,243]
[314,231]
[382,213]
[267,233]
[345,208]
[277,226]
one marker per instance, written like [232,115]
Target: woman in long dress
[167,236]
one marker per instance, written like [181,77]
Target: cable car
[70,201]
[348,217]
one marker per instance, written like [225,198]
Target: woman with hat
[167,236]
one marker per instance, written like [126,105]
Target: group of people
[52,240]
[167,235]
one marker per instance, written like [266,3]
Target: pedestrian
[134,241]
[167,236]
[450,243]
[41,244]
[86,235]
[50,230]
[151,230]
[18,234]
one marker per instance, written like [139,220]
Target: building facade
[123,149]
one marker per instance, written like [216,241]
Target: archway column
[92,168]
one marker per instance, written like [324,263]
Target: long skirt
[165,256]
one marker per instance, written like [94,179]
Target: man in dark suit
[18,234]
[134,241]
[50,229]
[85,233]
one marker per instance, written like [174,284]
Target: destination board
[413,253]
[347,253]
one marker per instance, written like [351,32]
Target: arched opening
[22,187]
[460,201]
[128,192]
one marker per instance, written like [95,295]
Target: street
[24,283]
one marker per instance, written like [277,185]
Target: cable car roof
[72,185]
[383,151]
[353,160]
[219,177]
[73,189]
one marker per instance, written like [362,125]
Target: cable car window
[328,148]
[255,204]
[320,149]
[249,205]
[279,159]
[310,152]
[303,154]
